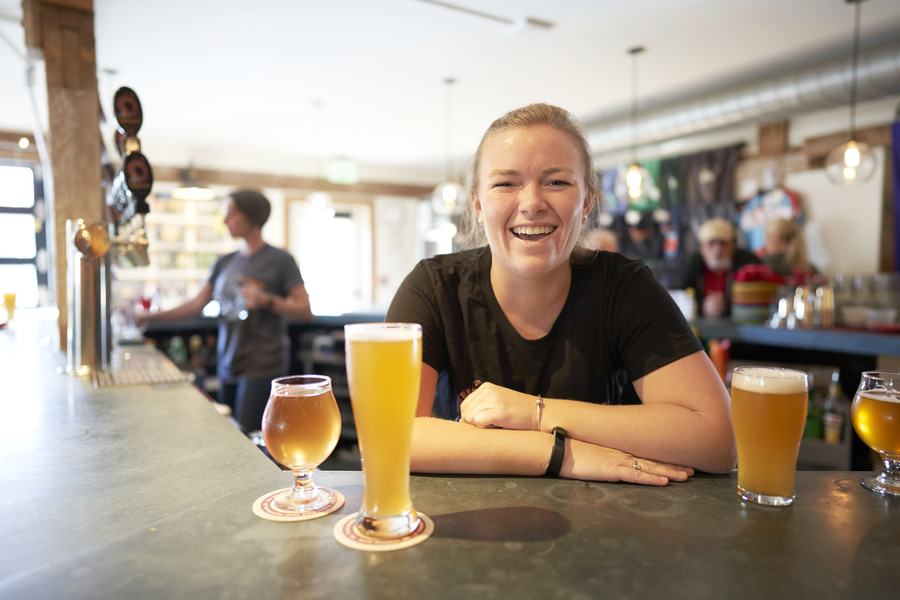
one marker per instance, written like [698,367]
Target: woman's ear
[476,208]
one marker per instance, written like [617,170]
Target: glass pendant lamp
[635,184]
[448,198]
[321,202]
[852,162]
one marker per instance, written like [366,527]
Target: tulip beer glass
[768,409]
[875,413]
[384,365]
[301,426]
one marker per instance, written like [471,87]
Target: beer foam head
[882,395]
[382,332]
[771,380]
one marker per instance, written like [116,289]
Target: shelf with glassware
[185,239]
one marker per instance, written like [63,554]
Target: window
[23,236]
[334,255]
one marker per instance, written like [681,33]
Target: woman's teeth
[533,230]
[532,233]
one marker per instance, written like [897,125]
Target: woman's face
[532,198]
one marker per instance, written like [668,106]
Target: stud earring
[480,221]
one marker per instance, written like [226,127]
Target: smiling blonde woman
[542,356]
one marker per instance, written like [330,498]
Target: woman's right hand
[590,462]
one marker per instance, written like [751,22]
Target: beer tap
[127,196]
[89,249]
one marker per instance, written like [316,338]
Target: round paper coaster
[265,507]
[345,533]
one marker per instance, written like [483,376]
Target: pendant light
[321,202]
[635,183]
[190,189]
[852,162]
[448,198]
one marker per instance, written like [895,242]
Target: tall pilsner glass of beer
[768,409]
[384,366]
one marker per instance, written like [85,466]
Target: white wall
[843,223]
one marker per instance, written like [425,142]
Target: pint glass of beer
[875,414]
[768,409]
[384,366]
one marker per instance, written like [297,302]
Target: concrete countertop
[146,492]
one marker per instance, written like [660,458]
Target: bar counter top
[145,491]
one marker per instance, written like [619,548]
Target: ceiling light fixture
[190,189]
[635,183]
[852,162]
[321,202]
[448,197]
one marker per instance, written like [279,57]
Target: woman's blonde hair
[791,233]
[533,115]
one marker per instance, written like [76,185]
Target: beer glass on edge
[301,426]
[768,410]
[384,367]
[875,413]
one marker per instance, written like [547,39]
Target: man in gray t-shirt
[258,288]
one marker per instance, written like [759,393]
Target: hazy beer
[876,418]
[301,426]
[768,410]
[384,366]
[875,414]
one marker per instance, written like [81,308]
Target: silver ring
[636,466]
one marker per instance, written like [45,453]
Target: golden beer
[768,410]
[301,426]
[875,414]
[384,366]
[876,418]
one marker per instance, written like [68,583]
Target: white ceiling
[232,84]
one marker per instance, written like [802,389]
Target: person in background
[542,356]
[710,270]
[258,288]
[786,248]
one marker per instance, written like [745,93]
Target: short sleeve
[416,302]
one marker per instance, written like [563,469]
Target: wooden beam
[64,32]
[288,182]
[817,148]
[772,139]
[9,146]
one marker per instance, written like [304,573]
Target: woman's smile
[532,233]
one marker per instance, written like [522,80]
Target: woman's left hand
[493,405]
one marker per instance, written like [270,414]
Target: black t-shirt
[617,325]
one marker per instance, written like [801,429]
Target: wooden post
[63,30]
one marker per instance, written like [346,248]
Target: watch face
[127,109]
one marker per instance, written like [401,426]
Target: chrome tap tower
[91,249]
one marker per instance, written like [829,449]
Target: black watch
[558,452]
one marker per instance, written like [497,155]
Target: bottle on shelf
[836,409]
[177,351]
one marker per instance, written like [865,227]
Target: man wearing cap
[710,271]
